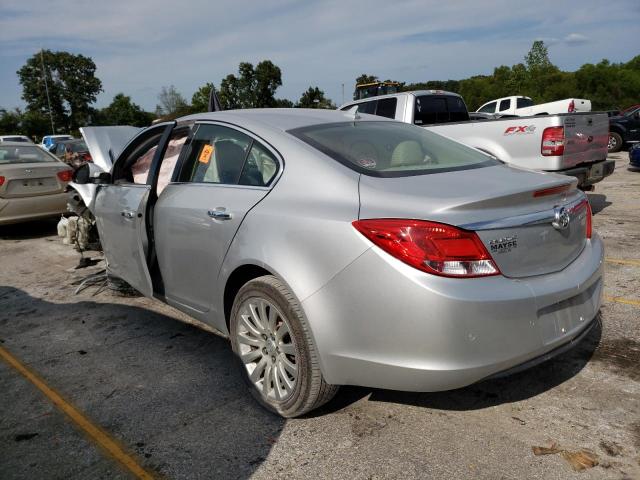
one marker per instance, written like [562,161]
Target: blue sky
[141,45]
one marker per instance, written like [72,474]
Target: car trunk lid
[512,211]
[31,179]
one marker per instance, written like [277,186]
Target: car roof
[281,118]
[18,144]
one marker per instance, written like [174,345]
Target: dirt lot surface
[170,395]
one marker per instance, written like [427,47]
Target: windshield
[391,149]
[24,154]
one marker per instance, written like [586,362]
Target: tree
[122,111]
[366,78]
[10,121]
[314,98]
[172,103]
[252,87]
[200,99]
[71,83]
[283,103]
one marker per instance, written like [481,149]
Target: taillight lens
[572,107]
[552,141]
[65,175]
[588,215]
[1,180]
[432,247]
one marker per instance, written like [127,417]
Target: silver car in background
[32,183]
[339,249]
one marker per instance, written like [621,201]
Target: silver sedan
[32,183]
[335,249]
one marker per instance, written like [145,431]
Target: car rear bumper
[380,323]
[591,174]
[23,209]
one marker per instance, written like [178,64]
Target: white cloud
[575,39]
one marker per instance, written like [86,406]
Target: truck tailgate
[586,137]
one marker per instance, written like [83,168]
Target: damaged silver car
[338,249]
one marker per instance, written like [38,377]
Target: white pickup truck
[524,107]
[570,144]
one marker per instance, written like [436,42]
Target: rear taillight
[588,215]
[432,247]
[572,107]
[1,180]
[65,175]
[552,141]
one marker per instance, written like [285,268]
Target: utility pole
[343,94]
[46,87]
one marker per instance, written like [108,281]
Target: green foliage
[122,111]
[283,103]
[608,86]
[72,85]
[10,121]
[200,99]
[314,98]
[252,87]
[366,78]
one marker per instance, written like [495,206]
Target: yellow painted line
[623,262]
[94,432]
[626,301]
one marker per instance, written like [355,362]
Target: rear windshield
[16,139]
[391,149]
[26,154]
[77,147]
[439,109]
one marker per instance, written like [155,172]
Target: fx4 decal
[520,129]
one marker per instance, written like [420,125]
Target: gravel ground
[170,394]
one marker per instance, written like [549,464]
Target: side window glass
[141,165]
[168,164]
[488,108]
[367,107]
[387,107]
[217,155]
[504,105]
[134,168]
[260,167]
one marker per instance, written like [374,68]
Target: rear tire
[275,350]
[615,142]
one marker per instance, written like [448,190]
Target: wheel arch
[240,276]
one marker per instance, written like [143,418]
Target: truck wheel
[615,142]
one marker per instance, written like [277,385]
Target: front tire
[615,142]
[277,356]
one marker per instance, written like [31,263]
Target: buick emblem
[561,218]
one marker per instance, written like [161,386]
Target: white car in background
[524,107]
[15,138]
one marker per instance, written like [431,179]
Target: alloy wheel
[267,348]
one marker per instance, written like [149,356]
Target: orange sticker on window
[205,154]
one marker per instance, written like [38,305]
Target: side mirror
[91,173]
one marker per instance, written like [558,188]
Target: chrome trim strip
[535,218]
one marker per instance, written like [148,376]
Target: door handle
[219,214]
[129,214]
